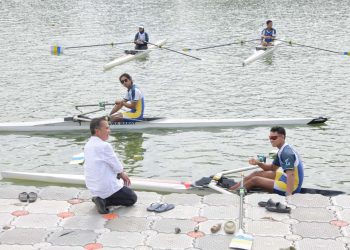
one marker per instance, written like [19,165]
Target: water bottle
[262,158]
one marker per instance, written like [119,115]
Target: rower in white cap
[141,39]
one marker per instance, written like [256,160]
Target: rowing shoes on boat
[131,56]
[261,52]
[214,184]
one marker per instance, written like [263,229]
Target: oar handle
[100,104]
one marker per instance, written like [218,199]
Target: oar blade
[56,50]
[77,159]
[242,241]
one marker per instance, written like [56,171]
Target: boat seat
[131,52]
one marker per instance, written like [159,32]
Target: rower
[133,100]
[141,39]
[268,35]
[284,175]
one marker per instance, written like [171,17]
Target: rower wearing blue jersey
[141,39]
[133,100]
[284,176]
[268,35]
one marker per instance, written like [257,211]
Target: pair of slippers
[229,227]
[276,207]
[160,207]
[27,197]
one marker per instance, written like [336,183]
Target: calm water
[293,82]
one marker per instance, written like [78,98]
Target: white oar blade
[77,159]
[242,241]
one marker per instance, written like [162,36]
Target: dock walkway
[65,218]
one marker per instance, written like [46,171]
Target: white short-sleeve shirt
[101,167]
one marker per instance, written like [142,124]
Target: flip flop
[32,197]
[230,227]
[153,206]
[269,203]
[279,208]
[164,207]
[23,197]
[214,229]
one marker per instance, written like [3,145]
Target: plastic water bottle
[262,158]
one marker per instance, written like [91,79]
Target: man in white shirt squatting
[101,169]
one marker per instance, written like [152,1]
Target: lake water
[293,82]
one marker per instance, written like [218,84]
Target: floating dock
[65,218]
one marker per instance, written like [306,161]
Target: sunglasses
[273,137]
[124,80]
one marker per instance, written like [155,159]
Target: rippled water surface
[293,82]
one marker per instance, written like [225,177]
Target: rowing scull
[206,185]
[261,52]
[129,57]
[82,124]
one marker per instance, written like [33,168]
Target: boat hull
[129,57]
[68,124]
[261,53]
[72,179]
[167,186]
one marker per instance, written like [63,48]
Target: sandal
[279,208]
[269,203]
[23,197]
[32,197]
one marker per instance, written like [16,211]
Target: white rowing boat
[82,124]
[199,187]
[216,184]
[74,179]
[129,57]
[261,52]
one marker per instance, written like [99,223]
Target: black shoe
[101,205]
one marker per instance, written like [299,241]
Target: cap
[141,26]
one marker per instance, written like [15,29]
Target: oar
[312,47]
[100,104]
[77,159]
[57,50]
[220,45]
[241,240]
[174,51]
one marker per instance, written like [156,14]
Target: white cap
[141,26]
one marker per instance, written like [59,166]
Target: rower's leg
[260,182]
[116,117]
[264,174]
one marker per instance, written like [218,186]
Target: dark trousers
[124,197]
[141,46]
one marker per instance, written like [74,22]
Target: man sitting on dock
[268,35]
[141,39]
[133,100]
[101,168]
[284,176]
